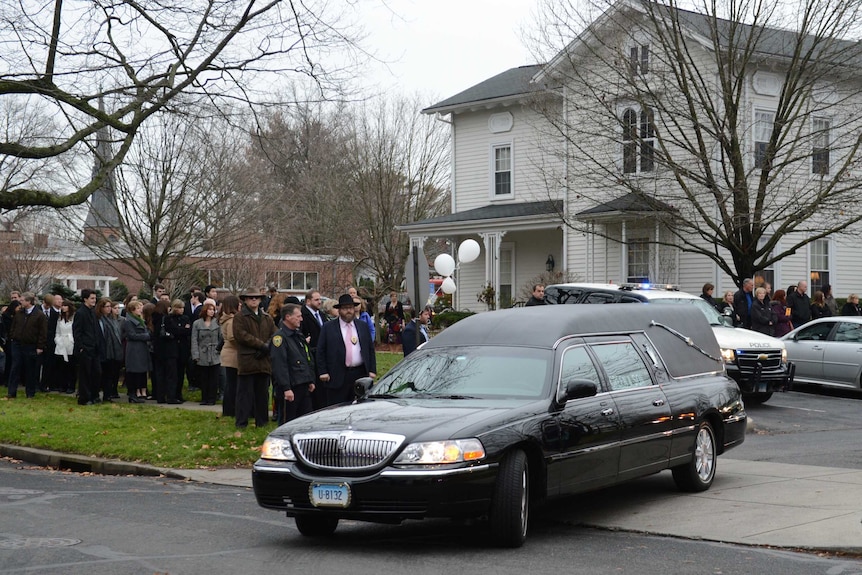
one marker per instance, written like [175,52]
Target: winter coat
[112,343]
[206,340]
[29,328]
[137,338]
[252,333]
[782,320]
[228,351]
[64,343]
[763,318]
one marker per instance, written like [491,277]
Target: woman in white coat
[64,345]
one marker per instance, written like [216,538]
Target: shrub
[447,318]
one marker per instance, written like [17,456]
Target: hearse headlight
[783,356]
[728,355]
[437,452]
[278,449]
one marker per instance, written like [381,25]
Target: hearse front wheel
[698,473]
[316,525]
[510,508]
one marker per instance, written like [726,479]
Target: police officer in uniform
[293,371]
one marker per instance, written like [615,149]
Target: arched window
[638,141]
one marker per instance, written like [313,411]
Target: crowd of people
[254,352]
[756,307]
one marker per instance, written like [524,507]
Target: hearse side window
[578,365]
[629,299]
[816,332]
[623,364]
[599,298]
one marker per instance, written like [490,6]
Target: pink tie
[348,345]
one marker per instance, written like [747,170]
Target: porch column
[418,241]
[492,242]
[624,260]
[659,276]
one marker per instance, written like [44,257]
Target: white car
[757,362]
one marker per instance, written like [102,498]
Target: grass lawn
[145,433]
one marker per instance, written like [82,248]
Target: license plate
[329,494]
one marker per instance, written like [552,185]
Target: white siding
[473,154]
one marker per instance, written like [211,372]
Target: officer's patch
[276,340]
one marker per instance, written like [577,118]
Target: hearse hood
[416,419]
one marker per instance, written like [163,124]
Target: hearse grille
[748,359]
[346,450]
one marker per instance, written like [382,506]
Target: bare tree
[296,168]
[61,60]
[399,166]
[736,126]
[175,201]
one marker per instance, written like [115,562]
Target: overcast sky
[441,47]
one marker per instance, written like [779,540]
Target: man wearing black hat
[252,330]
[345,353]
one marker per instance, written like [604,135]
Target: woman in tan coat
[229,308]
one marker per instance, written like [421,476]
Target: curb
[84,463]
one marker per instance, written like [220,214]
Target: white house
[533,209]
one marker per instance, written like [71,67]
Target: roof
[516,210]
[711,30]
[545,326]
[629,203]
[512,82]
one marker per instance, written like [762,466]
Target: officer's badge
[276,340]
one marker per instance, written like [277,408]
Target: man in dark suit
[345,353]
[312,320]
[742,302]
[409,343]
[85,332]
[51,309]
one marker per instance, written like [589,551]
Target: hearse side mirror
[577,388]
[361,386]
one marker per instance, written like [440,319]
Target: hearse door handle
[658,402]
[608,411]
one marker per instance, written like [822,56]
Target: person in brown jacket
[27,342]
[252,330]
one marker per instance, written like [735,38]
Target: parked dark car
[509,408]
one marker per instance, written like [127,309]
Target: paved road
[805,429]
[79,524]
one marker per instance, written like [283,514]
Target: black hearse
[506,409]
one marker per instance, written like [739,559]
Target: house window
[503,170]
[638,141]
[639,60]
[294,281]
[638,260]
[763,124]
[820,146]
[819,277]
[766,275]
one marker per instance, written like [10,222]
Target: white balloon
[468,251]
[448,286]
[444,264]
